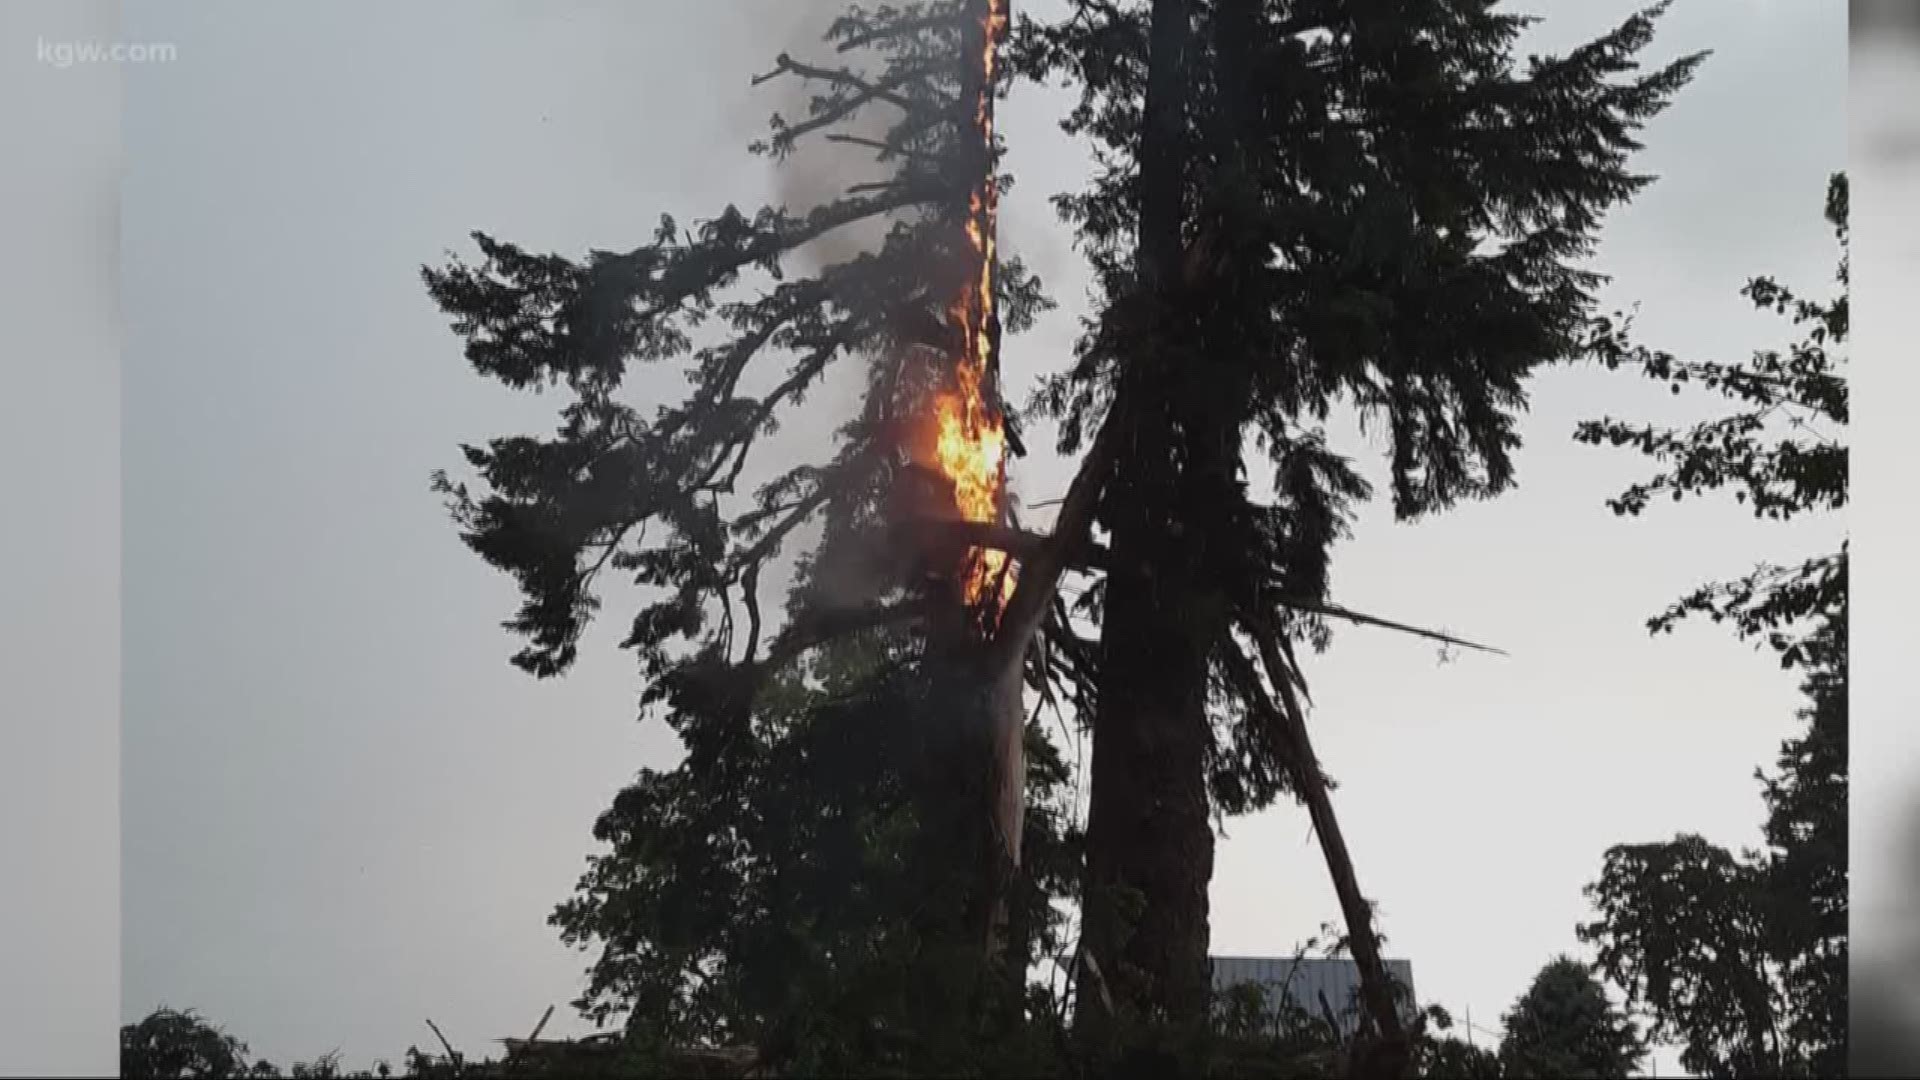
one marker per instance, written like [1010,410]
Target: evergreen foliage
[1383,211]
[800,881]
[1379,208]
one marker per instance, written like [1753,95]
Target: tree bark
[1149,836]
[1005,748]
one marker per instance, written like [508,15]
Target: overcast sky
[344,812]
[1884,136]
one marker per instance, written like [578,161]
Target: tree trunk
[1149,837]
[1003,714]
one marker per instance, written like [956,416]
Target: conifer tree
[1369,205]
[813,878]
[1564,1028]
[1372,206]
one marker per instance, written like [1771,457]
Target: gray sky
[59,548]
[343,811]
[1884,134]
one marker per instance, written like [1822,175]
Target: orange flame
[971,444]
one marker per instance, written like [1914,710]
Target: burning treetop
[971,442]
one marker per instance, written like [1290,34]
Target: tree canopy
[1373,207]
[1368,206]
[1564,1028]
[799,881]
[1742,958]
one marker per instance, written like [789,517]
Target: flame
[971,438]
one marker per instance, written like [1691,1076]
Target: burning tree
[1306,204]
[836,833]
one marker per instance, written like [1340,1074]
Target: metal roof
[1309,980]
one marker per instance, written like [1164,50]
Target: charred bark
[1006,712]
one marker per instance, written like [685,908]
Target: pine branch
[816,628]
[715,264]
[1244,677]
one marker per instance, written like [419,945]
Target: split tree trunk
[1004,747]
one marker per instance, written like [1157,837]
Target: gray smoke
[818,172]
[845,566]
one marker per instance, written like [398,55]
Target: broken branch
[452,1055]
[1376,987]
[1031,548]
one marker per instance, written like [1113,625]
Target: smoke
[818,172]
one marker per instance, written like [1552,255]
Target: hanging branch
[1288,723]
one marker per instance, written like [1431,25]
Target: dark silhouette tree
[809,879]
[171,1044]
[1369,203]
[807,907]
[1564,1028]
[1301,206]
[1742,958]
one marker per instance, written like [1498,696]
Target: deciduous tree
[1742,958]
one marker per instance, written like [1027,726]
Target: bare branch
[1072,529]
[880,91]
[785,137]
[883,148]
[867,186]
[1300,603]
[736,447]
[902,28]
[799,512]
